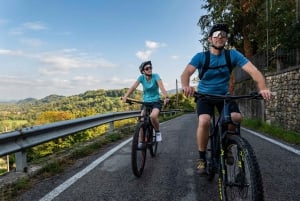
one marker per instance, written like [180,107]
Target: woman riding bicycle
[151,84]
[216,81]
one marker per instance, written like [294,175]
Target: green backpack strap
[207,61]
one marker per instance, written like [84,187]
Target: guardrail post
[111,127]
[21,161]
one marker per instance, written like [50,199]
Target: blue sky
[67,47]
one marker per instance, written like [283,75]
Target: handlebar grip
[256,95]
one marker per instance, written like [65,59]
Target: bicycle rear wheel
[153,144]
[138,154]
[243,179]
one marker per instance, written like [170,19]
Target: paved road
[169,176]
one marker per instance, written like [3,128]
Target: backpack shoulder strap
[228,60]
[206,64]
[207,61]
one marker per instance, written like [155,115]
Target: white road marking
[289,148]
[62,187]
[59,189]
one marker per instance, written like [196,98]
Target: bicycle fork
[222,180]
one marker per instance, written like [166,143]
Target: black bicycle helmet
[218,27]
[141,67]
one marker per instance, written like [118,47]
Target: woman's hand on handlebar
[166,100]
[188,91]
[124,99]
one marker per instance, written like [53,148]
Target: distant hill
[87,94]
[51,98]
[27,100]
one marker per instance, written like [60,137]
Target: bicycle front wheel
[211,153]
[139,150]
[243,179]
[153,143]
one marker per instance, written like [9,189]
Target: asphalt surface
[169,176]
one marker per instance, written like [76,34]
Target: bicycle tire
[153,144]
[210,159]
[138,155]
[242,174]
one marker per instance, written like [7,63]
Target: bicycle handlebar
[131,101]
[252,95]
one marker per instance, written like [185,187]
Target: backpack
[207,60]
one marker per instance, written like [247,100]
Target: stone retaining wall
[284,107]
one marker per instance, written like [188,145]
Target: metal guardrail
[18,141]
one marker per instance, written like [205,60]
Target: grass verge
[273,130]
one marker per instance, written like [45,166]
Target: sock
[202,155]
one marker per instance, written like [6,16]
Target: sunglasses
[217,34]
[148,68]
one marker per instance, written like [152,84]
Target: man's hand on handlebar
[266,94]
[188,91]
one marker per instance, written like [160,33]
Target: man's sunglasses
[148,68]
[218,34]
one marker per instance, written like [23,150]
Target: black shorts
[206,106]
[157,105]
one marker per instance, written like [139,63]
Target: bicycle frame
[143,136]
[218,134]
[244,178]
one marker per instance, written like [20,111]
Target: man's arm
[185,80]
[258,77]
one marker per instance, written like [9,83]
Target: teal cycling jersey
[150,88]
[216,79]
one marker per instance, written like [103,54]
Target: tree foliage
[249,22]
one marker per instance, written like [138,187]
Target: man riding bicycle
[216,81]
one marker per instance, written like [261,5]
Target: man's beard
[218,48]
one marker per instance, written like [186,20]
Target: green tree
[248,22]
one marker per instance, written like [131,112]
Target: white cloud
[11,52]
[144,55]
[154,45]
[151,46]
[64,61]
[121,82]
[33,42]
[175,57]
[35,26]
[88,80]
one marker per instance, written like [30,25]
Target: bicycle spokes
[139,150]
[242,180]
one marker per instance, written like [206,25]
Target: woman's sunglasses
[148,68]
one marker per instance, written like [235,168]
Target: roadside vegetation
[273,130]
[61,160]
